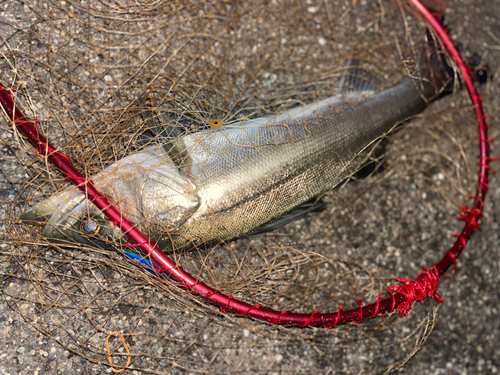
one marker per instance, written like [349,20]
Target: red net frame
[402,296]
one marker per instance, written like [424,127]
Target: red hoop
[402,296]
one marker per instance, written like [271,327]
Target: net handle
[401,296]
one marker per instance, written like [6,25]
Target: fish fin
[156,124]
[433,76]
[355,79]
[314,205]
[169,135]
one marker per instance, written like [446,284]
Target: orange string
[110,357]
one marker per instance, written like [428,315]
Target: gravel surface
[467,324]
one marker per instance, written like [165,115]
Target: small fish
[249,176]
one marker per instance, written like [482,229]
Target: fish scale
[241,188]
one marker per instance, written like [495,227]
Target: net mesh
[87,71]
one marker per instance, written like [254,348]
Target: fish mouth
[62,215]
[45,209]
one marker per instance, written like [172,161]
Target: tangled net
[84,68]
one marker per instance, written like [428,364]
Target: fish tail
[436,76]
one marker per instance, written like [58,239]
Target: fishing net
[103,78]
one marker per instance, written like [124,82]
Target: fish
[252,175]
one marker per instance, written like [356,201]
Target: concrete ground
[402,221]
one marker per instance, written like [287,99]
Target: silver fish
[241,176]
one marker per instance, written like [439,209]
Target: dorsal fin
[355,79]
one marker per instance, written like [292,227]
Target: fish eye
[90,226]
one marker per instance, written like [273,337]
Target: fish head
[71,219]
[147,189]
